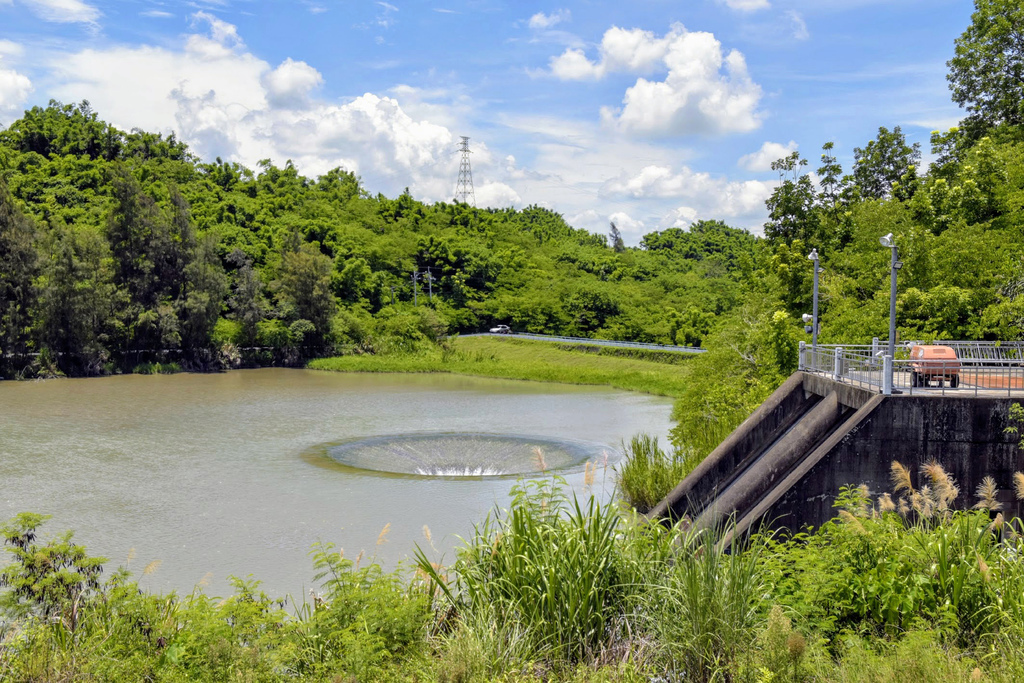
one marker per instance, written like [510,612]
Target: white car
[501,329]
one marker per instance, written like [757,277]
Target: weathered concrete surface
[785,465]
[766,424]
[964,435]
[766,471]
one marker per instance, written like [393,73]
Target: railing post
[802,363]
[837,369]
[874,346]
[887,374]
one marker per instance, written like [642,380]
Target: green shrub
[227,332]
[272,333]
[545,572]
[647,473]
[156,368]
[704,606]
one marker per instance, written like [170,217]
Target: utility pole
[464,187]
[430,285]
[415,289]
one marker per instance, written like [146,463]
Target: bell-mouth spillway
[462,454]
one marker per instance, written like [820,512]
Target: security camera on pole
[894,265]
[811,321]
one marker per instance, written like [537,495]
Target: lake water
[225,474]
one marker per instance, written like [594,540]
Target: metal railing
[984,369]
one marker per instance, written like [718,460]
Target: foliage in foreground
[647,473]
[558,588]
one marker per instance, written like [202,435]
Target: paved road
[593,342]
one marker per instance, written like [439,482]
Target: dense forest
[124,243]
[120,248]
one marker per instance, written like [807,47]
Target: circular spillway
[463,454]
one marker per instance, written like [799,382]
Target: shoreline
[525,360]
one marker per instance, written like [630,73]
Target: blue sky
[650,113]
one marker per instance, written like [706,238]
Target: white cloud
[704,91]
[622,50]
[573,65]
[680,217]
[64,11]
[14,90]
[496,195]
[14,87]
[626,224]
[746,5]
[711,197]
[762,159]
[541,21]
[9,48]
[291,83]
[156,14]
[800,31]
[226,102]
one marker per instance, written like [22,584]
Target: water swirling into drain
[460,454]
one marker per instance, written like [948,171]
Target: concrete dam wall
[784,466]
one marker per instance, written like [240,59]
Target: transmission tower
[464,188]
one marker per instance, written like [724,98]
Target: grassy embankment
[660,373]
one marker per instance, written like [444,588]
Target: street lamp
[813,256]
[895,265]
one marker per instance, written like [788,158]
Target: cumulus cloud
[64,11]
[224,101]
[496,195]
[291,83]
[709,195]
[626,223]
[14,90]
[704,90]
[762,159]
[541,21]
[680,217]
[746,5]
[622,50]
[14,87]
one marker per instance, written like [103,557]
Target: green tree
[205,287]
[986,75]
[615,239]
[18,267]
[304,288]
[884,162]
[77,300]
[791,207]
[247,303]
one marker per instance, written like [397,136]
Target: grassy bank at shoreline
[657,373]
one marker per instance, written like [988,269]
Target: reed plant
[544,570]
[706,605]
[647,473]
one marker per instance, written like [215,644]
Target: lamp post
[813,256]
[887,241]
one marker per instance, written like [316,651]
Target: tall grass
[545,570]
[706,605]
[647,473]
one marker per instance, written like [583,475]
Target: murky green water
[213,474]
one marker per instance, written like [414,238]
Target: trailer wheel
[954,381]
